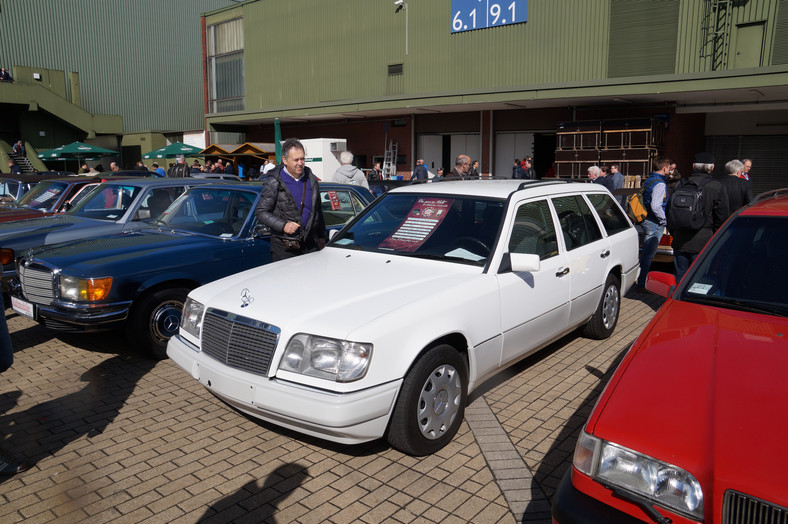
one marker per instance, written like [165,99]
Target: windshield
[8,190]
[452,228]
[107,202]
[43,196]
[744,268]
[209,211]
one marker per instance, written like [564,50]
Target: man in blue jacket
[655,198]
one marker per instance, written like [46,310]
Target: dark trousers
[681,262]
[6,350]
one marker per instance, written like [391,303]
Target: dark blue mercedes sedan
[139,279]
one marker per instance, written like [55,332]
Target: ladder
[390,160]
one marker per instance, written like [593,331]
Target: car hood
[85,257]
[705,390]
[40,226]
[7,214]
[309,293]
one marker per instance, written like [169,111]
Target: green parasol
[173,150]
[76,150]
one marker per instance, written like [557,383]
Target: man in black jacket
[290,205]
[687,243]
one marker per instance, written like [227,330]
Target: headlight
[191,320]
[84,289]
[663,484]
[337,360]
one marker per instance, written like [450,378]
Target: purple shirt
[296,188]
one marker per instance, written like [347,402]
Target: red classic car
[692,427]
[47,197]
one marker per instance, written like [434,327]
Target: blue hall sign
[467,15]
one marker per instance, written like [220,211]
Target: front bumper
[347,418]
[572,506]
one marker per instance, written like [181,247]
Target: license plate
[23,307]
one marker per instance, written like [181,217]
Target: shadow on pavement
[44,429]
[559,457]
[255,503]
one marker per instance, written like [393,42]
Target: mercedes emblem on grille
[246,297]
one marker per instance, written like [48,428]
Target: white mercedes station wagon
[431,290]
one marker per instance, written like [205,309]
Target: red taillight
[666,240]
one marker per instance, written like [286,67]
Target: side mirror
[522,262]
[332,233]
[660,283]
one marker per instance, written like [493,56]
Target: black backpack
[685,209]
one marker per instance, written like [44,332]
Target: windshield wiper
[738,304]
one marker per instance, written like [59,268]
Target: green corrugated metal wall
[340,49]
[141,59]
[303,53]
[643,37]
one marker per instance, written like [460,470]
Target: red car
[692,427]
[48,197]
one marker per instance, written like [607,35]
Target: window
[339,207]
[225,66]
[533,232]
[611,215]
[577,221]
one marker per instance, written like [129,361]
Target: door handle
[563,272]
[605,254]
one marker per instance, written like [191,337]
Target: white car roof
[500,188]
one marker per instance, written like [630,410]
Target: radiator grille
[37,285]
[738,508]
[239,342]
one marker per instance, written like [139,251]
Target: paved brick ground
[114,437]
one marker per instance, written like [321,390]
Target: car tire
[431,403]
[605,317]
[155,318]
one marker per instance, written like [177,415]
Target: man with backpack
[698,206]
[655,199]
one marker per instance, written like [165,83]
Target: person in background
[518,172]
[461,166]
[268,167]
[180,169]
[687,243]
[83,169]
[617,176]
[347,173]
[196,167]
[113,166]
[160,172]
[438,176]
[229,169]
[745,172]
[530,172]
[19,148]
[5,76]
[15,169]
[8,464]
[737,188]
[139,166]
[375,174]
[473,172]
[655,198]
[420,172]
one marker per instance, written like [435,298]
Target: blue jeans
[682,261]
[652,235]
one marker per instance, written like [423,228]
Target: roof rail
[554,181]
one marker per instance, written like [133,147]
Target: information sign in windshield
[420,223]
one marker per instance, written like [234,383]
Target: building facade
[123,75]
[701,74]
